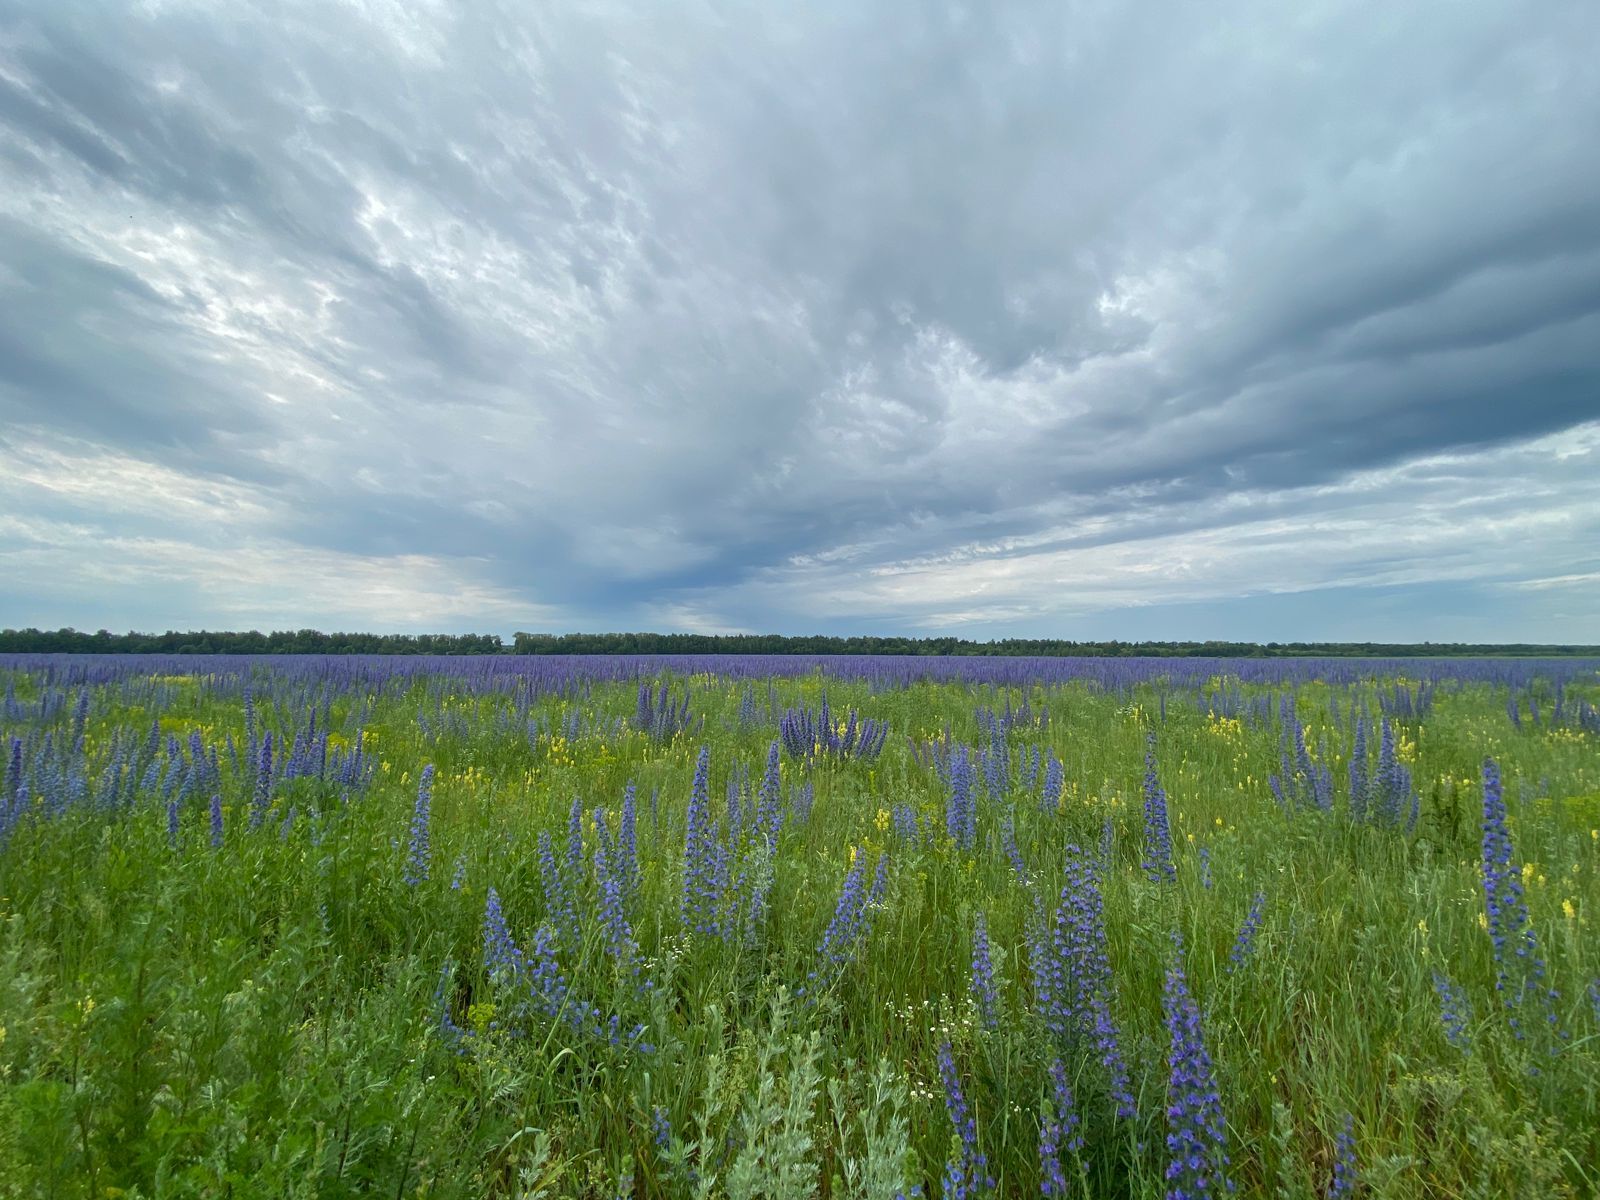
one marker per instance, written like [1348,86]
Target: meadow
[706,927]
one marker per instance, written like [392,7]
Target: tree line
[311,641]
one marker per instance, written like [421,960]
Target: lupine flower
[172,822]
[982,980]
[216,820]
[1594,997]
[460,876]
[421,852]
[1197,1154]
[1455,1010]
[1345,1171]
[966,1174]
[1246,940]
[1058,1131]
[1157,828]
[1205,868]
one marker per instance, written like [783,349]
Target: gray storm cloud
[994,318]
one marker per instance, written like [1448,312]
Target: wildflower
[216,820]
[661,1128]
[961,813]
[613,917]
[263,789]
[850,924]
[1071,962]
[1055,777]
[453,1036]
[1109,1046]
[982,980]
[1205,867]
[421,852]
[575,839]
[1455,1010]
[172,822]
[1058,1130]
[967,1172]
[1157,828]
[1246,940]
[1197,1156]
[562,913]
[1345,1172]
[701,891]
[1519,971]
[1008,842]
[1359,782]
[769,807]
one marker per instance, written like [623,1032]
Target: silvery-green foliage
[776,1139]
[875,1148]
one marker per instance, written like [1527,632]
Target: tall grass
[317,1006]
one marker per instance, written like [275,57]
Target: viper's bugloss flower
[1345,1170]
[420,856]
[961,811]
[1197,1151]
[967,1173]
[1246,941]
[1455,1010]
[982,983]
[1157,828]
[1058,1131]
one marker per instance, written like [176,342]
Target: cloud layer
[1079,319]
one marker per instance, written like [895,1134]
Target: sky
[1070,318]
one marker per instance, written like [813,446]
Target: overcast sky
[1081,319]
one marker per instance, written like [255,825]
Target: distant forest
[311,641]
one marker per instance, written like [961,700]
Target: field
[786,927]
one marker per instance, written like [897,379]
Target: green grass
[261,1019]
